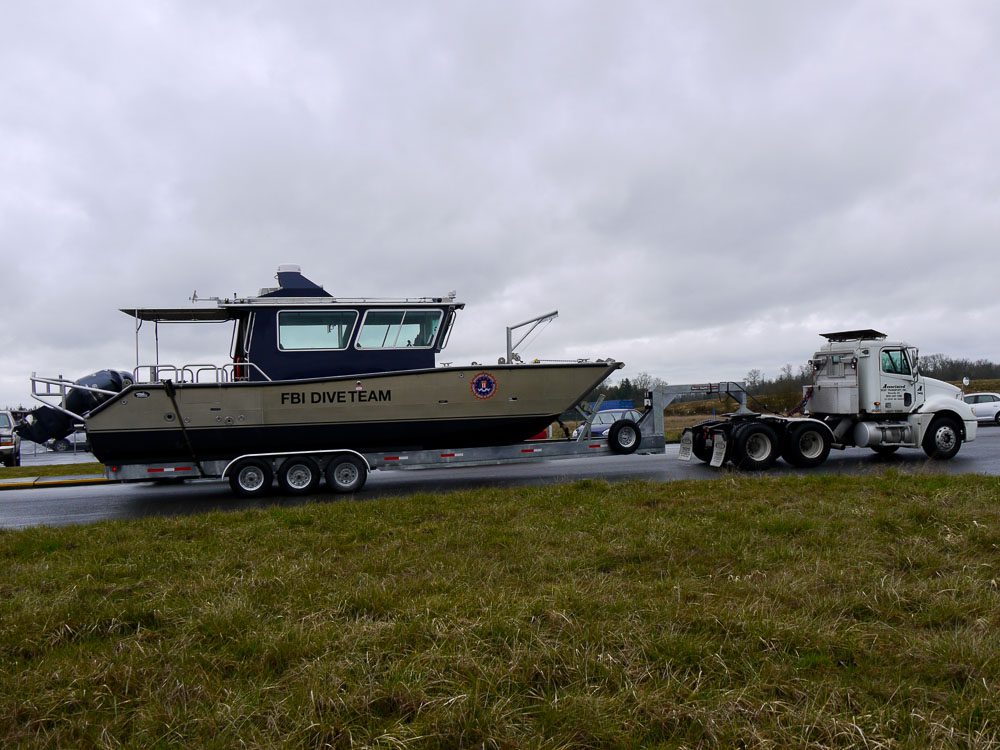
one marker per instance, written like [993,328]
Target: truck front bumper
[970,430]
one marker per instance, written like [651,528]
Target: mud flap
[718,449]
[687,442]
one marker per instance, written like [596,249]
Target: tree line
[791,378]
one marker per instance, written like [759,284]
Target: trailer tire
[806,445]
[624,437]
[298,476]
[346,474]
[251,477]
[943,439]
[755,446]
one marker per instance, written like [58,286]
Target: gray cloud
[700,188]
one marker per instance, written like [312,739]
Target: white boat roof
[230,310]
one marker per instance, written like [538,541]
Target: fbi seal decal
[484,386]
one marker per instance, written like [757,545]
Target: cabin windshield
[398,329]
[315,329]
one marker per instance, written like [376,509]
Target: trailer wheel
[346,474]
[943,439]
[806,445]
[624,437]
[755,446]
[298,476]
[251,477]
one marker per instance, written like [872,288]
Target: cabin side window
[399,329]
[315,329]
[894,362]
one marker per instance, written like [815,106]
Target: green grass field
[743,612]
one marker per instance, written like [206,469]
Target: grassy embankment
[749,612]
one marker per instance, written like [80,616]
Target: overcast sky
[699,188]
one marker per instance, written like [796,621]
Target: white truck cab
[867,392]
[869,385]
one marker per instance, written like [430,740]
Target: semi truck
[867,392]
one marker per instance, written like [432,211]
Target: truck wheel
[624,437]
[943,439]
[806,445]
[755,447]
[298,476]
[61,446]
[346,474]
[251,477]
[885,450]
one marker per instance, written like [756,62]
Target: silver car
[986,406]
[10,441]
[604,419]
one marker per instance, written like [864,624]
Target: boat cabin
[298,330]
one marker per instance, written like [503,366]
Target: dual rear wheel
[756,446]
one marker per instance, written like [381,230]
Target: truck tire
[298,476]
[806,445]
[943,439]
[624,437]
[699,441]
[346,474]
[251,477]
[62,445]
[755,446]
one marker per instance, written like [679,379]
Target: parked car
[986,406]
[604,419]
[75,441]
[10,441]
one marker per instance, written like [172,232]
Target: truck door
[897,384]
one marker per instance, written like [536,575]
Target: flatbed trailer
[346,470]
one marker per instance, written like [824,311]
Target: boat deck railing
[52,391]
[231,372]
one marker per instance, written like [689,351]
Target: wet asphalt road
[60,506]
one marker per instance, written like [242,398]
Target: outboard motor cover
[45,423]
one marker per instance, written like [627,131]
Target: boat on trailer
[311,373]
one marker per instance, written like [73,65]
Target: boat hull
[423,409]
